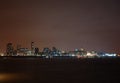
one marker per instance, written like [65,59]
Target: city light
[1,54]
[107,54]
[53,52]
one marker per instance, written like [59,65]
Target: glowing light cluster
[107,54]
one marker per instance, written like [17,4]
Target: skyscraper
[36,51]
[32,48]
[9,49]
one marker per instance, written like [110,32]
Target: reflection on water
[59,71]
[9,77]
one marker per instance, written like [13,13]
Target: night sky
[65,24]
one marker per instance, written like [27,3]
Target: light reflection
[5,77]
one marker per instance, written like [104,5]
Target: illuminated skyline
[89,24]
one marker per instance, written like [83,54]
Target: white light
[1,54]
[89,54]
[110,54]
[73,55]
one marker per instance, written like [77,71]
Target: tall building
[9,49]
[36,51]
[32,48]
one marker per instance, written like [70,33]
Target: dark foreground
[36,70]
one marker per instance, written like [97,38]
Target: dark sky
[65,24]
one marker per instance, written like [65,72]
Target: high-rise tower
[9,49]
[32,48]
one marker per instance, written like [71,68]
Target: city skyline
[88,24]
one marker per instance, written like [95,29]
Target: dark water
[59,70]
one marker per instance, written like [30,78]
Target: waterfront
[37,70]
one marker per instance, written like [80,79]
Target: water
[36,70]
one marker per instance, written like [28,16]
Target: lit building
[23,52]
[9,49]
[91,54]
[107,55]
[55,52]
